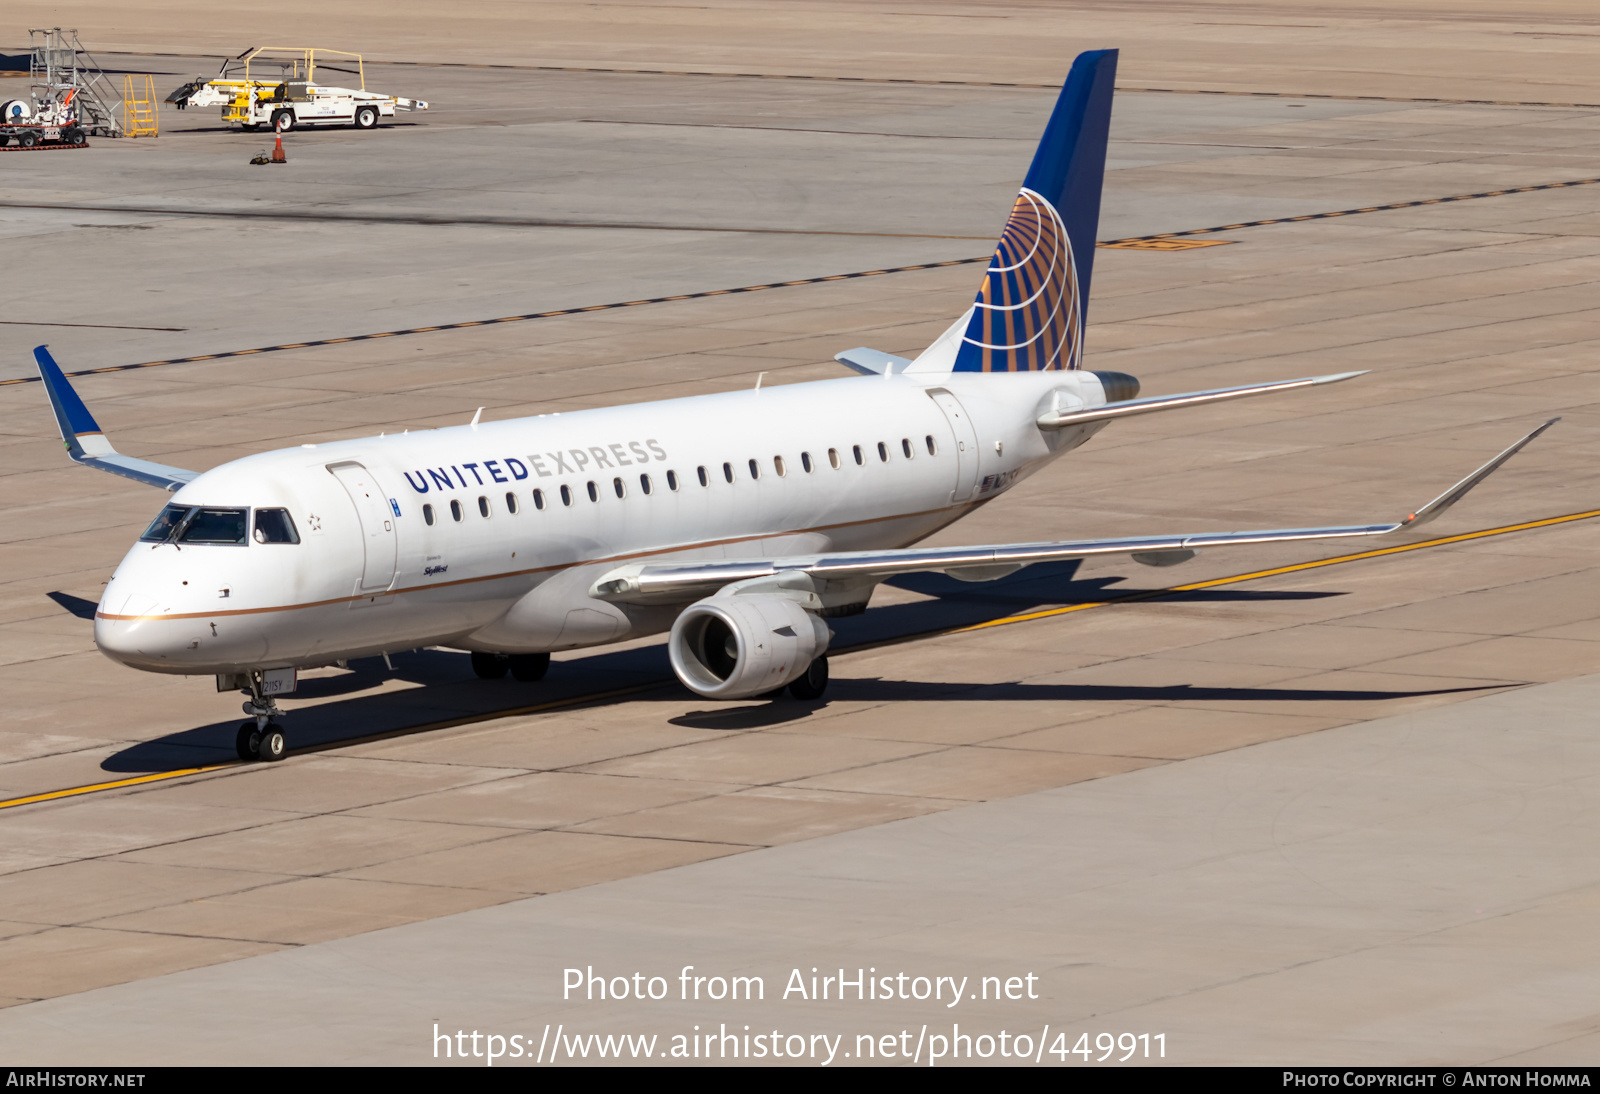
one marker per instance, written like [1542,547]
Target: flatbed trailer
[42,138]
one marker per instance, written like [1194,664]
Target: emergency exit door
[965,439]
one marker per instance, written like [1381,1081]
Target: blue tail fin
[1029,311]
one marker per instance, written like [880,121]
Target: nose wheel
[255,743]
[261,738]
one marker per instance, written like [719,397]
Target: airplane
[737,522]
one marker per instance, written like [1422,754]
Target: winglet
[87,443]
[72,417]
[1459,490]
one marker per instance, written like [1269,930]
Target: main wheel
[272,747]
[248,742]
[813,682]
[283,120]
[529,667]
[489,666]
[366,117]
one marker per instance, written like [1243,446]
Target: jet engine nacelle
[733,647]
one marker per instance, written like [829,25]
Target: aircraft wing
[667,583]
[87,443]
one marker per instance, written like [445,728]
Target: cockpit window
[215,526]
[276,526]
[162,528]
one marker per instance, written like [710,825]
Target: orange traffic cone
[277,148]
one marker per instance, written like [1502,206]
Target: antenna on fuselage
[476,416]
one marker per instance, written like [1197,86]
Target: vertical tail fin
[1029,313]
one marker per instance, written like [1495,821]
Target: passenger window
[833,458]
[856,449]
[755,470]
[727,471]
[215,526]
[483,505]
[427,514]
[455,509]
[703,480]
[777,465]
[931,450]
[672,481]
[275,526]
[622,491]
[566,494]
[594,491]
[538,499]
[883,452]
[162,528]
[511,502]
[805,461]
[644,483]
[905,446]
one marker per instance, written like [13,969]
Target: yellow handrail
[308,58]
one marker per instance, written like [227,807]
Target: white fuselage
[370,575]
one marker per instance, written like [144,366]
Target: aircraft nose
[132,641]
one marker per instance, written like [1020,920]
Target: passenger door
[378,537]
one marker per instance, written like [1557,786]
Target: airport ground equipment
[69,98]
[277,86]
[141,116]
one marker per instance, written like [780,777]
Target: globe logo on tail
[1027,317]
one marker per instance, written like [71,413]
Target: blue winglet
[72,416]
[87,443]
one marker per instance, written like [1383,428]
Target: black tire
[489,666]
[283,120]
[28,140]
[248,742]
[248,127]
[366,117]
[813,682]
[272,747]
[528,667]
[775,693]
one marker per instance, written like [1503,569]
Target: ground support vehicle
[251,94]
[32,124]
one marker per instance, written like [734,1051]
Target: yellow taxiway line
[578,700]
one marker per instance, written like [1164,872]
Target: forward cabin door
[378,536]
[965,439]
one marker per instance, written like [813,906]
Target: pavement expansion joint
[1163,241]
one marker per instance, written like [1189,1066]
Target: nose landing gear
[261,738]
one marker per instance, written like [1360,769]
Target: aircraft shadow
[871,689]
[428,687]
[76,605]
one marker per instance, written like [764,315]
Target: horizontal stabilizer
[87,443]
[872,362]
[1061,419]
[670,583]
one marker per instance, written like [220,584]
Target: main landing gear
[261,738]
[526,667]
[808,688]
